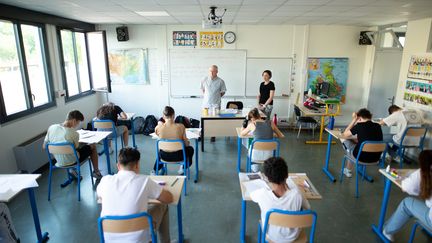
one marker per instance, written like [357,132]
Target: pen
[174,182]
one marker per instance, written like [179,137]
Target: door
[385,78]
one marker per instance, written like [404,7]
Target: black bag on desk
[150,124]
[194,123]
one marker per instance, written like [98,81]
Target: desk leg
[196,161]
[243,222]
[107,155]
[378,229]
[202,135]
[133,132]
[331,123]
[40,237]
[179,222]
[326,166]
[238,154]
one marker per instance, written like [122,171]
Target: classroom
[322,106]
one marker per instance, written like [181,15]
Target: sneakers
[388,236]
[180,171]
[255,168]
[97,175]
[74,174]
[347,172]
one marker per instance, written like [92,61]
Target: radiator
[29,155]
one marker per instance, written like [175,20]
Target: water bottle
[275,119]
[310,92]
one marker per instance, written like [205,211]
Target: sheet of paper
[192,135]
[254,185]
[11,184]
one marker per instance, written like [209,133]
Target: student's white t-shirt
[57,133]
[126,193]
[290,201]
[411,185]
[399,120]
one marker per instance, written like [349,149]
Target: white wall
[258,41]
[21,130]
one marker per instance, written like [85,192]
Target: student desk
[323,112]
[191,133]
[176,191]
[18,183]
[299,179]
[338,135]
[403,173]
[91,137]
[239,145]
[222,125]
[131,118]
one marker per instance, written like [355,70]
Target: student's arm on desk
[276,130]
[165,197]
[247,130]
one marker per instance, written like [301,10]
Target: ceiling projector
[213,21]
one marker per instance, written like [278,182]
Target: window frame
[4,117]
[62,66]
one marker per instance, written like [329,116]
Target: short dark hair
[268,72]
[254,113]
[276,170]
[393,108]
[128,156]
[364,113]
[168,111]
[75,115]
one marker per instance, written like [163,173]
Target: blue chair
[125,224]
[289,219]
[360,167]
[65,148]
[171,145]
[414,228]
[108,125]
[411,132]
[262,145]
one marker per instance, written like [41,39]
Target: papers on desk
[191,133]
[229,111]
[90,137]
[12,184]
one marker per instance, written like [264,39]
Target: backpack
[194,123]
[139,124]
[183,120]
[150,124]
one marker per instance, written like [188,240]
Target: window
[25,84]
[84,62]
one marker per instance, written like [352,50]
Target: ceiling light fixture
[213,20]
[153,13]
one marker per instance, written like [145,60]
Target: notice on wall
[420,67]
[184,38]
[211,39]
[418,86]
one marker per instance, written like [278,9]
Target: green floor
[211,211]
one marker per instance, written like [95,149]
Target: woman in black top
[265,98]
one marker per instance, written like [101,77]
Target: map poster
[211,39]
[420,67]
[129,66]
[330,71]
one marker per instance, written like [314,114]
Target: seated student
[109,111]
[127,193]
[284,195]
[66,132]
[261,129]
[168,129]
[366,130]
[398,117]
[419,183]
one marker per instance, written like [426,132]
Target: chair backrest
[371,147]
[125,224]
[291,219]
[265,145]
[63,148]
[103,124]
[297,111]
[234,105]
[414,132]
[169,145]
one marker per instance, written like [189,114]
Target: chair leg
[49,183]
[259,232]
[357,189]
[79,183]
[343,166]
[91,172]
[313,131]
[413,231]
[298,134]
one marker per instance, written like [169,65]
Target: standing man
[213,89]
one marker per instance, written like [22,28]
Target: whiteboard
[188,67]
[281,74]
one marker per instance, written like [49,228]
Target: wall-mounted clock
[230,37]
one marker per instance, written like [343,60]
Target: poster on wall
[419,92]
[331,73]
[420,67]
[211,39]
[129,66]
[184,38]
[418,98]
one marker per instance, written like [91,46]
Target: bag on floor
[183,120]
[150,124]
[138,123]
[7,229]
